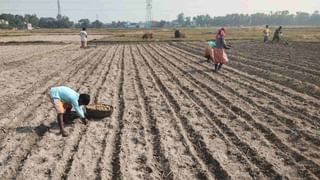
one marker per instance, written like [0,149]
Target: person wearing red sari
[220,56]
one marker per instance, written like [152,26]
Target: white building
[3,22]
[131,25]
[29,26]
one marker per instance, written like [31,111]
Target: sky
[135,10]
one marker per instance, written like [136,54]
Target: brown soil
[49,38]
[173,117]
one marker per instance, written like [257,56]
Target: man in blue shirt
[64,99]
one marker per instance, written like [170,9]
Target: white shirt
[266,32]
[83,35]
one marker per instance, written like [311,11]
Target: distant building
[142,25]
[193,24]
[29,26]
[3,22]
[131,25]
[175,23]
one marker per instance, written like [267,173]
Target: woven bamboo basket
[99,110]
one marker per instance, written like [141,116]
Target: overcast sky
[134,10]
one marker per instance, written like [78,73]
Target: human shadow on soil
[40,130]
[68,119]
[197,71]
[205,61]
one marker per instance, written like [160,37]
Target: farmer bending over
[63,99]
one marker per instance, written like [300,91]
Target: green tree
[19,21]
[84,23]
[96,24]
[302,18]
[188,21]
[315,18]
[203,20]
[48,22]
[64,22]
[33,19]
[10,18]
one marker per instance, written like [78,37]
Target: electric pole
[149,14]
[59,16]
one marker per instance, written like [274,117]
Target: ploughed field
[173,117]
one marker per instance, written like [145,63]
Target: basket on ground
[99,110]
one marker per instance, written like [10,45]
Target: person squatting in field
[266,34]
[208,52]
[83,38]
[64,99]
[220,56]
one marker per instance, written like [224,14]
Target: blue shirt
[69,96]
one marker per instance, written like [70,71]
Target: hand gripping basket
[99,110]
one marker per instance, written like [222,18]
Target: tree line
[257,19]
[19,21]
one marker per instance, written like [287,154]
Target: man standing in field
[83,37]
[266,33]
[64,99]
